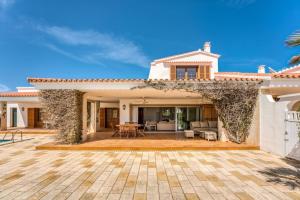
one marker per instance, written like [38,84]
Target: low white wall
[272,125]
[22,110]
[295,153]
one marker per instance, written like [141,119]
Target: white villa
[107,102]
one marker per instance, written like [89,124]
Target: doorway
[108,117]
[14,119]
[112,117]
[34,118]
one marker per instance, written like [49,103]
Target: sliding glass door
[181,114]
[185,115]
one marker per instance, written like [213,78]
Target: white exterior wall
[124,113]
[159,71]
[134,113]
[200,58]
[27,89]
[272,125]
[22,121]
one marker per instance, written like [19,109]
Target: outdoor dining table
[137,133]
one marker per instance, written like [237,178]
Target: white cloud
[3,88]
[238,3]
[84,59]
[6,3]
[102,46]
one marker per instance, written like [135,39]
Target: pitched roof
[290,69]
[19,94]
[191,53]
[286,75]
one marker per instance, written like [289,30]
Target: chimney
[206,47]
[261,69]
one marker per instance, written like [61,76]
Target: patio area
[29,174]
[163,141]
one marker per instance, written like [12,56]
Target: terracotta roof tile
[19,94]
[55,80]
[59,80]
[241,74]
[286,75]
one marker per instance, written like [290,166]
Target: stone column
[3,115]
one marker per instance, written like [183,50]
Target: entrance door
[34,118]
[31,115]
[112,117]
[14,117]
[102,117]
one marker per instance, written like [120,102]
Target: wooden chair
[116,130]
[123,130]
[132,130]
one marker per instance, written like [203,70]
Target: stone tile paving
[26,173]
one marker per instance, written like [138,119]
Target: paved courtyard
[26,173]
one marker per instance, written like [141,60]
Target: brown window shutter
[198,72]
[207,72]
[173,72]
[201,72]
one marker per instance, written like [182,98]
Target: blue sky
[118,38]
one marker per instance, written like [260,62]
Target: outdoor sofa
[202,126]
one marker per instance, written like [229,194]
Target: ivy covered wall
[62,109]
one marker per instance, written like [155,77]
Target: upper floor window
[186,72]
[183,72]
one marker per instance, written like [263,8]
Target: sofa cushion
[195,124]
[212,124]
[162,126]
[204,124]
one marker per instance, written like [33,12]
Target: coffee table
[189,133]
[210,135]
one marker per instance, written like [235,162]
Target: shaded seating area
[205,129]
[129,129]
